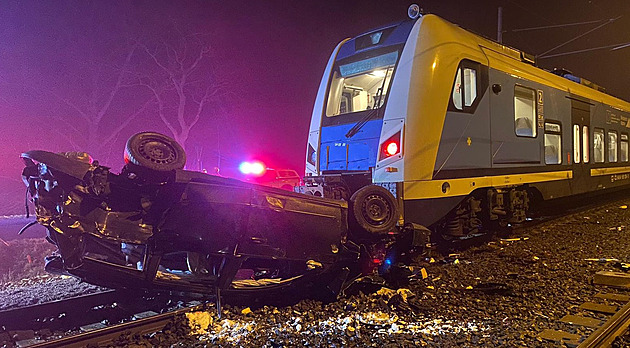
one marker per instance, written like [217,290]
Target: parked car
[286,179]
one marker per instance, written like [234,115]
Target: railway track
[143,319]
[152,322]
[606,334]
[94,319]
[599,322]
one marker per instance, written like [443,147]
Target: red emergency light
[256,168]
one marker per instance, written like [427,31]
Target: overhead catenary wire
[542,55]
[612,48]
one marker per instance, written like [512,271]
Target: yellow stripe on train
[464,186]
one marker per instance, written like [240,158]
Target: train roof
[519,63]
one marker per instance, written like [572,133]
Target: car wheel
[155,151]
[374,209]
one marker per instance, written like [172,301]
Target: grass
[24,258]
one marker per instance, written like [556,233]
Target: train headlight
[390,147]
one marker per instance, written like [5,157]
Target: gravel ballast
[501,294]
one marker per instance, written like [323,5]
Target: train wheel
[155,151]
[374,209]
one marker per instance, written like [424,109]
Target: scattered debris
[602,260]
[493,288]
[199,322]
[519,239]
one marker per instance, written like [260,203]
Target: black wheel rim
[376,210]
[157,151]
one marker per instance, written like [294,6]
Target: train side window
[470,86]
[469,80]
[576,144]
[553,143]
[524,111]
[623,148]
[598,145]
[585,144]
[612,146]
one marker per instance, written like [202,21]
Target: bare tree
[95,107]
[185,85]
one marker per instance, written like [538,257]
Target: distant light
[388,262]
[254,168]
[245,168]
[392,148]
[378,73]
[257,168]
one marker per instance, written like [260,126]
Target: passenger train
[424,122]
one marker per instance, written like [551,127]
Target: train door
[581,135]
[514,126]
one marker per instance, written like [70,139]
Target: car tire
[155,151]
[374,210]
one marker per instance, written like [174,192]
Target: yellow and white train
[424,122]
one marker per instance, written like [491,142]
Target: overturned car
[157,226]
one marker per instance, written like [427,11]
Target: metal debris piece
[602,260]
[623,266]
[519,239]
[386,292]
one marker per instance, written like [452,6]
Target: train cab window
[524,112]
[598,145]
[612,146]
[470,80]
[576,144]
[623,148]
[553,143]
[465,88]
[585,144]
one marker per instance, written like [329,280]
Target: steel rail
[605,335]
[32,317]
[108,334]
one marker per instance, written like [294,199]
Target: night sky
[60,61]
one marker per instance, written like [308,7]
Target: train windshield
[360,85]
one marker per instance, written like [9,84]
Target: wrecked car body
[157,226]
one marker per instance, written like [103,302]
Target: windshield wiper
[374,112]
